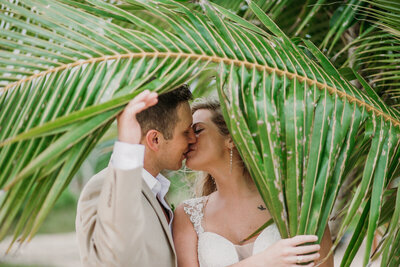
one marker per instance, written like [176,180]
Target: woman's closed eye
[198,130]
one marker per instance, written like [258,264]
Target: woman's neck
[233,184]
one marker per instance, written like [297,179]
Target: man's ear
[152,139]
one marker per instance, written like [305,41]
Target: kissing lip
[190,149]
[186,153]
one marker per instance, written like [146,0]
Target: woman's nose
[192,136]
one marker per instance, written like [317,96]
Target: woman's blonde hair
[205,185]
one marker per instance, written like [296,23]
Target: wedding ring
[298,259]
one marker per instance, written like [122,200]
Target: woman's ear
[229,143]
[152,140]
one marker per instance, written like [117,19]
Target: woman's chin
[188,163]
[191,164]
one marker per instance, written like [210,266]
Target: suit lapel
[157,208]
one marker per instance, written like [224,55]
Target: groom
[122,217]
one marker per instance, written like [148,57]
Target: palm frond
[56,112]
[278,132]
[377,50]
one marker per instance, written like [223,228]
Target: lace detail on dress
[215,250]
[194,208]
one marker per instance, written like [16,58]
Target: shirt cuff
[127,156]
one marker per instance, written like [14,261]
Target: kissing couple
[123,218]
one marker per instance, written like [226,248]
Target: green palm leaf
[68,104]
[376,50]
[321,173]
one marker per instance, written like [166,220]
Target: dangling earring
[231,159]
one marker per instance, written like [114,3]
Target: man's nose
[192,137]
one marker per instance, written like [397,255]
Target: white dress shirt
[130,156]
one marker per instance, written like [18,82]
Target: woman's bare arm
[185,239]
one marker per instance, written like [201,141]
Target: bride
[208,231]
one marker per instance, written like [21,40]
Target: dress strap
[194,208]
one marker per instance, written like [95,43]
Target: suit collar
[159,185]
[160,214]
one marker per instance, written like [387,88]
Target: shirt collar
[159,185]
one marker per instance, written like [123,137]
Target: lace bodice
[215,250]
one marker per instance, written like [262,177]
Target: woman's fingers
[306,258]
[306,249]
[301,239]
[311,264]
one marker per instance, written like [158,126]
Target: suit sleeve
[110,218]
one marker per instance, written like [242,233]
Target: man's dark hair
[163,116]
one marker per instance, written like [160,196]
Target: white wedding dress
[216,251]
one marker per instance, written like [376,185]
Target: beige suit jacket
[120,222]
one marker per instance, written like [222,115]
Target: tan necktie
[165,211]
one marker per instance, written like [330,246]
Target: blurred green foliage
[62,217]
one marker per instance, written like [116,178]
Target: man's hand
[128,127]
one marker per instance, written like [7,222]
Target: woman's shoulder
[188,205]
[182,227]
[194,206]
[194,201]
[193,209]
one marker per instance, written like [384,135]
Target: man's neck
[150,168]
[150,162]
